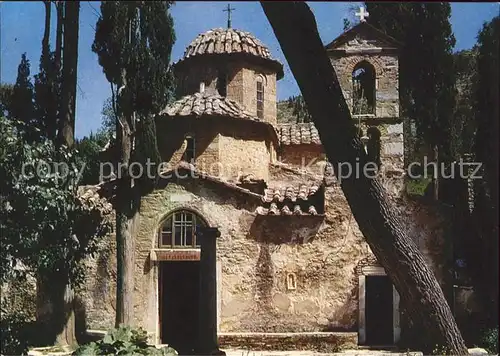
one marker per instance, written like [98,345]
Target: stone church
[289,255]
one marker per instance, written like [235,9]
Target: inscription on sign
[176,255]
[180,197]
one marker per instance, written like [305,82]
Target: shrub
[124,341]
[489,341]
[18,307]
[441,350]
[15,333]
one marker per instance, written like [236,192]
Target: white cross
[362,14]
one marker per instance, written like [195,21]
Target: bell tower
[366,63]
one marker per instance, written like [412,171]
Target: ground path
[314,353]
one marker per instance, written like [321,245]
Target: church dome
[229,41]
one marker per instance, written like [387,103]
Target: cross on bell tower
[362,14]
[229,9]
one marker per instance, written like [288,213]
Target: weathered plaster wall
[304,154]
[255,255]
[222,150]
[188,81]
[253,285]
[98,294]
[244,156]
[171,134]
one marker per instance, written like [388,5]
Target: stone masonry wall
[241,84]
[206,135]
[387,82]
[249,98]
[303,154]
[256,254]
[239,156]
[222,150]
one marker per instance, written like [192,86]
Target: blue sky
[22,26]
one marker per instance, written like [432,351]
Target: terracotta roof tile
[292,194]
[226,40]
[201,104]
[289,201]
[222,41]
[297,134]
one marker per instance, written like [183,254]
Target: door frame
[157,282]
[396,327]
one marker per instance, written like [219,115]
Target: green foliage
[47,94]
[293,110]
[133,42]
[123,341]
[489,341]
[417,186]
[6,91]
[18,306]
[108,117]
[88,155]
[141,62]
[347,24]
[482,246]
[487,100]
[441,350]
[45,226]
[21,105]
[463,131]
[16,332]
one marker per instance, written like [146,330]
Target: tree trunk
[55,311]
[295,28]
[69,75]
[59,33]
[126,213]
[62,317]
[46,32]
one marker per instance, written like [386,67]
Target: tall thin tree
[134,42]
[66,133]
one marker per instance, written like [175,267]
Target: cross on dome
[229,9]
[362,14]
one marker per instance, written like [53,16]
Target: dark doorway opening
[379,311]
[179,291]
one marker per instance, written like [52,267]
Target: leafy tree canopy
[47,228]
[427,87]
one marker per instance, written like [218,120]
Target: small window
[189,153]
[291,281]
[179,230]
[260,98]
[222,83]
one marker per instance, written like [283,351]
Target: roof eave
[271,63]
[339,40]
[270,128]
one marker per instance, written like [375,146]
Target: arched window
[179,230]
[373,145]
[363,81]
[190,152]
[260,97]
